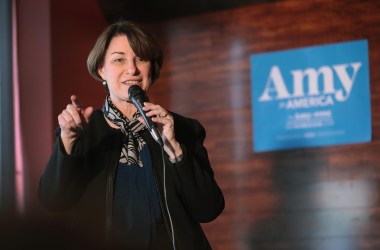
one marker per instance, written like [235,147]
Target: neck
[127,108]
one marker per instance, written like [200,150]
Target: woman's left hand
[162,117]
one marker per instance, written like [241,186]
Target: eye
[119,60]
[139,60]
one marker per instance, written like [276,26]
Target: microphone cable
[166,200]
[137,96]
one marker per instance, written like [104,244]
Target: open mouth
[132,82]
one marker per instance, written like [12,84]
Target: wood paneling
[316,198]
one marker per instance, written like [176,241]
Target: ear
[101,72]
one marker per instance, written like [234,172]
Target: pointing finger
[83,113]
[75,101]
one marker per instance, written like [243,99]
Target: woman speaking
[118,181]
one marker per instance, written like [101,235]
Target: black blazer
[83,182]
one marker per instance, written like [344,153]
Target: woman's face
[122,69]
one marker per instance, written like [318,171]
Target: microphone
[137,96]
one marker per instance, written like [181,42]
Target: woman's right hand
[72,120]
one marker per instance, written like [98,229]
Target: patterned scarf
[130,128]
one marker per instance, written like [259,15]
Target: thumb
[87,113]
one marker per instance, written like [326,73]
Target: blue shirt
[136,208]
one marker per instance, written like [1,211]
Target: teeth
[132,82]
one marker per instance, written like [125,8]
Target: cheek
[147,72]
[112,74]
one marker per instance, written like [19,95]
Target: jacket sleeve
[60,186]
[200,193]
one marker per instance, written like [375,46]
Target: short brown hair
[143,43]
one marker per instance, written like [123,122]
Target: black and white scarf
[130,128]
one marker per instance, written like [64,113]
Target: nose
[132,68]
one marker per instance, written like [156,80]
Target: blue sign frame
[309,97]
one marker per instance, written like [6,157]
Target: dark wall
[54,39]
[75,26]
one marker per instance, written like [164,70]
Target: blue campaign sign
[310,97]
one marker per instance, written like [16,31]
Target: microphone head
[138,96]
[135,91]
